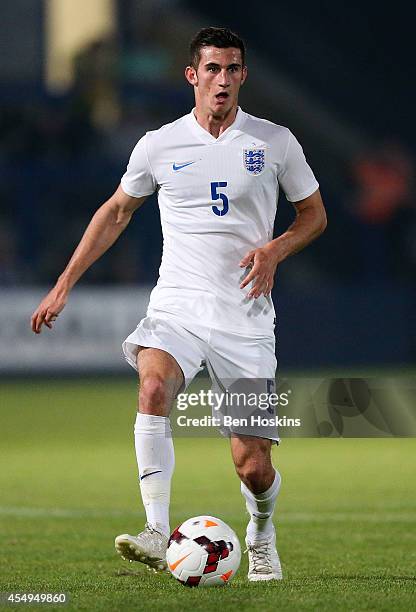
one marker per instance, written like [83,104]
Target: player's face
[217,80]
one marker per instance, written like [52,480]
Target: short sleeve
[296,177]
[139,180]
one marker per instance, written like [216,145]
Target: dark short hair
[214,37]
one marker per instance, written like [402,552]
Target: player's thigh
[154,361]
[178,348]
[160,376]
[250,449]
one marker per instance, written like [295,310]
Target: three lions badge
[254,160]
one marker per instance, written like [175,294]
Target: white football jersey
[217,199]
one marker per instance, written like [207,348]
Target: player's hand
[263,264]
[48,310]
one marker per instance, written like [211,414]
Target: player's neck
[215,124]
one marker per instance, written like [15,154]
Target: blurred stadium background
[82,81]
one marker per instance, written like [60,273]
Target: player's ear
[244,75]
[191,75]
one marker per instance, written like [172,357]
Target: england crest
[254,160]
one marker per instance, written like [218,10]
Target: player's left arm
[309,223]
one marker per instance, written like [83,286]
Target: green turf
[346,513]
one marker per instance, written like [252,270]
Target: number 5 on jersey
[215,195]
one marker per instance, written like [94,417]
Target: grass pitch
[68,482]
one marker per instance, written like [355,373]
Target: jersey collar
[208,138]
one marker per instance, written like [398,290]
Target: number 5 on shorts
[219,196]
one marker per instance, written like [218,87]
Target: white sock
[260,506]
[156,460]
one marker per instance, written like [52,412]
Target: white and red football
[203,551]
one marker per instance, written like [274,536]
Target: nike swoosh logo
[179,166]
[173,566]
[226,576]
[150,474]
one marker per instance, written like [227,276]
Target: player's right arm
[110,220]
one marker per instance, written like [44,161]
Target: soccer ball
[203,551]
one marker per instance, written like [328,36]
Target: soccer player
[217,171]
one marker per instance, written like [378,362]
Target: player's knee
[152,395]
[250,471]
[254,466]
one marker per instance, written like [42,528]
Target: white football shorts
[232,360]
